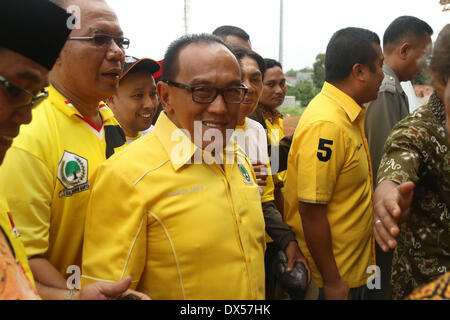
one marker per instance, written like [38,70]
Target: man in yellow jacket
[179,210]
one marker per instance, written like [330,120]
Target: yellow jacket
[182,230]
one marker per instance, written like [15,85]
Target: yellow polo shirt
[16,279]
[181,229]
[329,163]
[46,177]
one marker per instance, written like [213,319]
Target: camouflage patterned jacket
[418,150]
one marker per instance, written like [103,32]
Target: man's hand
[108,291]
[391,207]
[336,290]
[261,172]
[294,254]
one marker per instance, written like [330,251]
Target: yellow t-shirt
[46,176]
[329,163]
[16,279]
[181,229]
[140,134]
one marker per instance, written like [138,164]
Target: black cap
[142,64]
[36,29]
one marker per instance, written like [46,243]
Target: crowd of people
[130,178]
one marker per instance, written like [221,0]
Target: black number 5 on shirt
[326,154]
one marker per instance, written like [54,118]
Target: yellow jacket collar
[176,143]
[346,102]
[64,105]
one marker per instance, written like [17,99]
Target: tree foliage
[304,91]
[291,73]
[319,71]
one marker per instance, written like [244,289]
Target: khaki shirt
[382,114]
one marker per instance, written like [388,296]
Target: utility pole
[280,52]
[186,16]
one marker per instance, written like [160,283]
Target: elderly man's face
[87,69]
[203,65]
[23,73]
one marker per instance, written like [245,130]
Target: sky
[308,24]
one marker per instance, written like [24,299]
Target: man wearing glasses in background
[182,223]
[46,174]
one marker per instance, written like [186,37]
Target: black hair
[440,59]
[404,27]
[346,48]
[170,64]
[224,31]
[271,63]
[242,52]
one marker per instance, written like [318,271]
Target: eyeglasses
[21,97]
[104,40]
[206,94]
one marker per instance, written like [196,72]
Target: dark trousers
[270,266]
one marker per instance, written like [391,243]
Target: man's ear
[358,71]
[163,92]
[403,50]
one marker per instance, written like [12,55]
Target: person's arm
[29,192]
[294,254]
[283,236]
[95,291]
[391,207]
[318,239]
[279,199]
[50,284]
[399,172]
[279,231]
